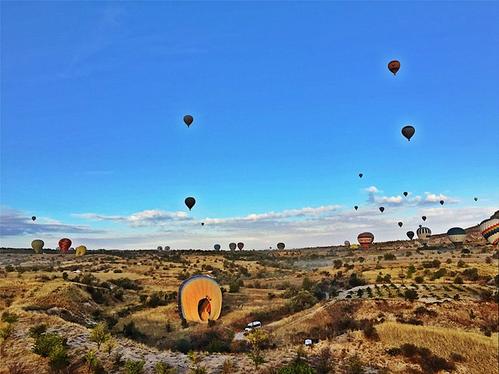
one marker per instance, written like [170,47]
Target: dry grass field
[394,308]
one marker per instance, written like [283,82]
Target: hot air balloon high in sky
[381,209]
[64,245]
[361,175]
[400,224]
[408,132]
[356,207]
[33,218]
[406,193]
[188,119]
[442,202]
[190,202]
[410,234]
[200,299]
[394,66]
[423,218]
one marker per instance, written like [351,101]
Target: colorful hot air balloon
[400,224]
[441,202]
[281,246]
[423,218]
[406,193]
[33,218]
[394,66]
[490,230]
[200,299]
[188,119]
[64,245]
[232,246]
[410,234]
[381,209]
[190,202]
[408,131]
[82,250]
[240,246]
[347,244]
[361,175]
[456,235]
[365,239]
[356,207]
[424,234]
[217,247]
[37,245]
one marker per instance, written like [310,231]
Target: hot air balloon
[37,245]
[365,239]
[64,245]
[400,224]
[456,235]
[423,218]
[200,299]
[475,198]
[410,234]
[490,230]
[217,247]
[406,193]
[424,234]
[408,131]
[190,202]
[240,246]
[361,175]
[347,244]
[281,246]
[394,66]
[202,223]
[188,119]
[232,246]
[381,209]
[167,247]
[441,202]
[33,218]
[82,250]
[356,207]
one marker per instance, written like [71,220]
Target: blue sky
[291,101]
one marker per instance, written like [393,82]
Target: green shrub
[37,330]
[45,343]
[299,367]
[9,317]
[58,357]
[134,366]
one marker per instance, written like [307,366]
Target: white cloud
[139,219]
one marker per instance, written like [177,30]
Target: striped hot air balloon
[423,234]
[490,230]
[365,239]
[200,299]
[456,235]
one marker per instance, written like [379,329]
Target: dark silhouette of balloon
[37,245]
[202,223]
[189,202]
[408,131]
[476,198]
[64,245]
[400,224]
[424,218]
[200,299]
[356,207]
[381,209]
[217,247]
[188,119]
[365,239]
[410,234]
[33,218]
[347,243]
[394,66]
[281,246]
[456,235]
[406,193]
[441,202]
[240,246]
[232,246]
[361,175]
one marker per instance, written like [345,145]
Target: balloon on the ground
[410,234]
[456,235]
[232,246]
[200,299]
[394,66]
[188,119]
[365,239]
[381,209]
[64,245]
[217,247]
[347,244]
[490,230]
[81,250]
[240,246]
[281,246]
[423,234]
[190,202]
[37,245]
[408,132]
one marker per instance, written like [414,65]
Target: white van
[253,325]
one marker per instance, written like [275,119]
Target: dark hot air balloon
[240,246]
[64,245]
[424,218]
[410,234]
[188,119]
[202,223]
[365,239]
[33,218]
[189,202]
[217,247]
[441,202]
[37,245]
[406,193]
[456,235]
[347,244]
[361,175]
[232,246]
[408,131]
[475,198]
[281,246]
[400,224]
[356,207]
[394,66]
[200,299]
[381,209]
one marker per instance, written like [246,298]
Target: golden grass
[481,352]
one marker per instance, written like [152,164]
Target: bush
[182,345]
[301,301]
[354,365]
[458,280]
[164,368]
[45,343]
[37,330]
[429,362]
[126,283]
[389,257]
[324,361]
[134,367]
[297,367]
[9,317]
[100,334]
[234,287]
[411,295]
[132,332]
[419,279]
[58,357]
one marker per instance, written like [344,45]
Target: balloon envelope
[424,218]
[381,209]
[406,193]
[188,119]
[37,245]
[490,230]
[82,250]
[408,131]
[410,234]
[475,198]
[217,247]
[200,299]
[365,239]
[361,175]
[400,224]
[190,202]
[240,246]
[423,234]
[456,235]
[33,218]
[394,66]
[232,246]
[441,202]
[64,245]
[281,246]
[346,243]
[356,207]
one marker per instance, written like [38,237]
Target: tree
[134,367]
[100,334]
[258,339]
[411,295]
[324,361]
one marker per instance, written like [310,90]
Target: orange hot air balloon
[200,299]
[394,66]
[365,239]
[64,245]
